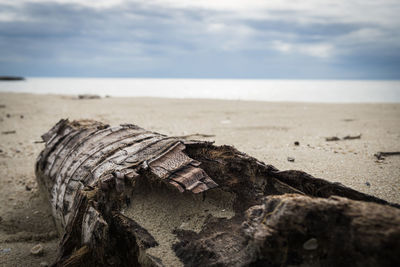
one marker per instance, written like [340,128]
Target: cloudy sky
[310,39]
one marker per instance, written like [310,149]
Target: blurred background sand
[264,130]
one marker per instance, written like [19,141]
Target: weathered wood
[125,196]
[299,230]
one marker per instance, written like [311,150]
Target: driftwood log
[124,196]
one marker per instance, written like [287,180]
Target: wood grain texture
[90,172]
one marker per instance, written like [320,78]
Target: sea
[319,91]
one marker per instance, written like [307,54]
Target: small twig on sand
[9,132]
[382,155]
[195,135]
[351,137]
[332,138]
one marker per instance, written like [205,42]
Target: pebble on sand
[37,250]
[5,250]
[310,244]
[290,159]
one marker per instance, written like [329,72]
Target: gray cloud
[149,40]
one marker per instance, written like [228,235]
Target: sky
[270,39]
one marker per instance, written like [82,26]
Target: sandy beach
[267,131]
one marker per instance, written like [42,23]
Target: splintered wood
[114,191]
[81,154]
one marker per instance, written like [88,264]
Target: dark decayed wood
[90,171]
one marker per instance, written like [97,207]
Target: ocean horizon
[317,91]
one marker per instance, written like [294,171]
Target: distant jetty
[11,78]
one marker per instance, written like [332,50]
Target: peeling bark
[94,174]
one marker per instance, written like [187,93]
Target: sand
[263,130]
[160,211]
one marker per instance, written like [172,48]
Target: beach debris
[88,96]
[44,264]
[311,244]
[8,115]
[196,135]
[9,132]
[28,188]
[382,155]
[367,184]
[332,138]
[88,170]
[347,137]
[348,120]
[290,159]
[37,250]
[352,137]
[225,121]
[296,143]
[21,116]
